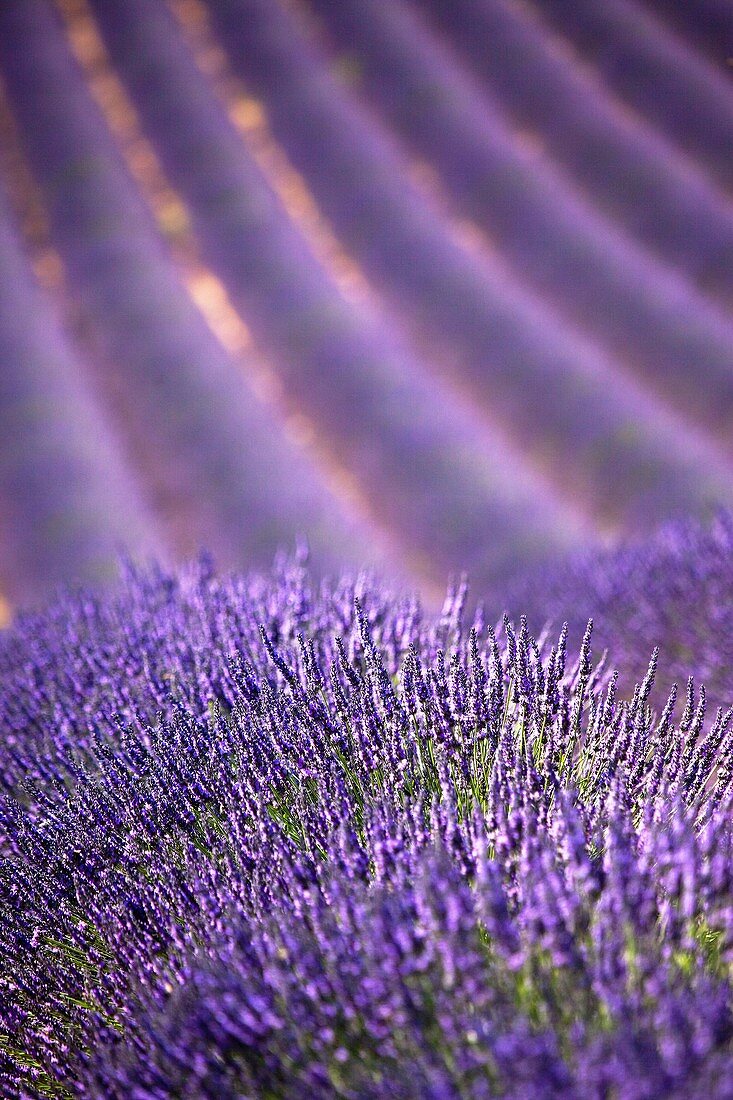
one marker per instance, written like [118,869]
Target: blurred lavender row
[543,352]
[564,402]
[629,170]
[651,70]
[593,273]
[66,500]
[179,397]
[433,475]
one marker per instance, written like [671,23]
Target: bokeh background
[438,285]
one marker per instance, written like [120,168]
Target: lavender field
[311,312]
[437,286]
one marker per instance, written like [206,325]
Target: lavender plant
[261,838]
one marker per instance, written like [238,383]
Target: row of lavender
[58,467]
[568,252]
[432,473]
[265,839]
[562,398]
[630,170]
[688,100]
[589,332]
[209,457]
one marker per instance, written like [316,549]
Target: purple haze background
[438,286]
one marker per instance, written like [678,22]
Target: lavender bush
[266,839]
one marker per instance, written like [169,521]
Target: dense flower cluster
[262,839]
